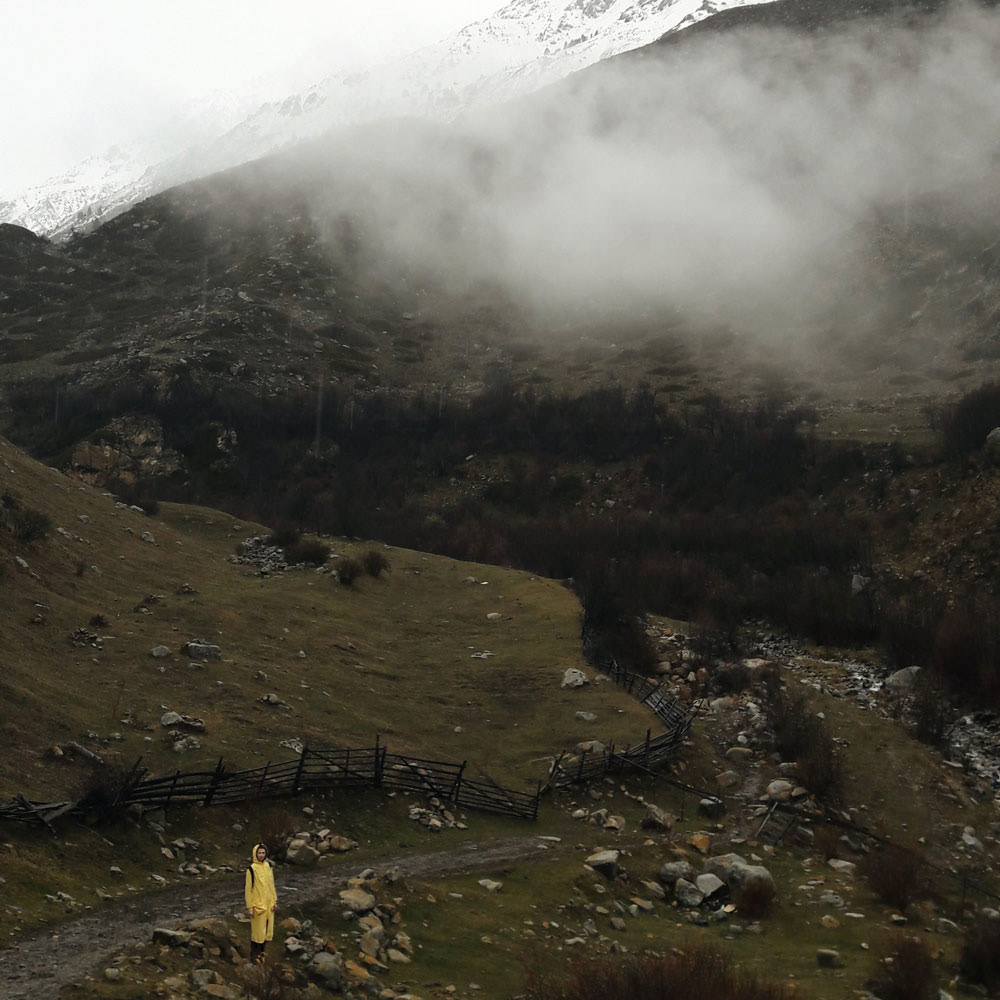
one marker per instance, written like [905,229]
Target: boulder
[842,867]
[721,865]
[749,879]
[709,884]
[671,871]
[357,900]
[780,790]
[171,938]
[301,852]
[574,678]
[712,808]
[687,894]
[656,818]
[903,680]
[158,652]
[327,969]
[827,958]
[199,650]
[605,862]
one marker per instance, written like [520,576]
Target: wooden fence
[327,768]
[650,755]
[315,770]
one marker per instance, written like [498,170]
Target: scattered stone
[709,884]
[158,652]
[842,867]
[574,678]
[301,852]
[712,808]
[688,895]
[827,958]
[198,650]
[171,938]
[656,818]
[357,900]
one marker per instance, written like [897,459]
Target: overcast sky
[77,76]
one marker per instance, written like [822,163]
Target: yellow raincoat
[261,899]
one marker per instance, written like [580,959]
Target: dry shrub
[980,961]
[801,736]
[348,570]
[307,550]
[102,794]
[827,841]
[694,974]
[897,875]
[273,827]
[267,982]
[755,899]
[905,970]
[375,563]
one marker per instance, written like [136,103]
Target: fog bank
[733,178]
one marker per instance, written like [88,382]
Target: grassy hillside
[348,662]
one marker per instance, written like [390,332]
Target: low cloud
[732,177]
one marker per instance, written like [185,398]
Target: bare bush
[756,899]
[31,525]
[827,841]
[980,960]
[898,875]
[694,974]
[375,563]
[309,551]
[800,735]
[267,981]
[348,570]
[906,970]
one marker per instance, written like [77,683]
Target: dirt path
[37,967]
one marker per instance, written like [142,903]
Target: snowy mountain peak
[525,45]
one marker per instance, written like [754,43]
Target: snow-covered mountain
[522,47]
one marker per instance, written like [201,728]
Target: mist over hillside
[739,179]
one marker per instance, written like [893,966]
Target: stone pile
[258,551]
[435,816]
[307,847]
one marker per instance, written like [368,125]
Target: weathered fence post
[296,783]
[645,758]
[534,806]
[453,794]
[263,778]
[216,778]
[379,767]
[579,773]
[173,785]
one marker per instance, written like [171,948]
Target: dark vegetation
[906,970]
[710,511]
[692,974]
[25,524]
[801,736]
[980,960]
[898,875]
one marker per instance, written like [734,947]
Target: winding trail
[37,967]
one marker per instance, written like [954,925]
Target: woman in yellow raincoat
[262,902]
